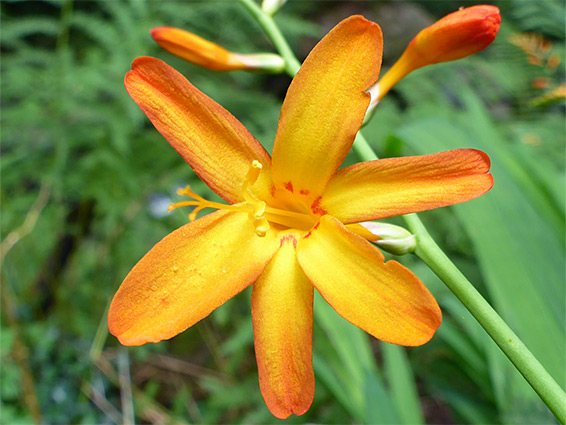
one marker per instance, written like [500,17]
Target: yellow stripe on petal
[384,299]
[214,143]
[282,302]
[325,106]
[395,186]
[187,275]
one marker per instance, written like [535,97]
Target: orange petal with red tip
[384,299]
[282,302]
[325,106]
[187,275]
[214,143]
[394,186]
[457,35]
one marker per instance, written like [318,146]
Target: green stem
[292,64]
[363,149]
[429,252]
[525,362]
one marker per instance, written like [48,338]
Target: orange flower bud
[199,51]
[553,62]
[541,83]
[455,36]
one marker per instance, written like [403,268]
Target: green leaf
[348,368]
[402,384]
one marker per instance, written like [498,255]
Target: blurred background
[86,180]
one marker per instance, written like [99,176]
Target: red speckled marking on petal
[289,238]
[310,231]
[316,208]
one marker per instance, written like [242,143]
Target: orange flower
[453,37]
[199,51]
[291,224]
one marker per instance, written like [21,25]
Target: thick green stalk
[429,252]
[525,362]
[363,149]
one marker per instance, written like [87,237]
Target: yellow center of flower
[262,215]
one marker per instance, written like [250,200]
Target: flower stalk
[267,23]
[429,252]
[521,357]
[272,6]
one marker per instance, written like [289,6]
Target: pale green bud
[391,238]
[272,6]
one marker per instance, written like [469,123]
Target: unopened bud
[457,35]
[199,51]
[391,238]
[453,37]
[272,6]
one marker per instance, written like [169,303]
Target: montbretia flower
[292,219]
[199,51]
[457,35]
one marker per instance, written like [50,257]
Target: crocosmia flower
[291,221]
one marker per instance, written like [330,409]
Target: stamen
[290,219]
[253,173]
[201,204]
[259,209]
[252,206]
[260,214]
[251,178]
[193,215]
[261,226]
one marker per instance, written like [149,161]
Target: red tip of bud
[457,35]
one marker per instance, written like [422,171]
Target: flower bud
[394,239]
[455,36]
[272,6]
[199,51]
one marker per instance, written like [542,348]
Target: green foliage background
[72,139]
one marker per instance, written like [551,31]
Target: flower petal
[214,143]
[282,301]
[187,275]
[325,106]
[384,299]
[389,187]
